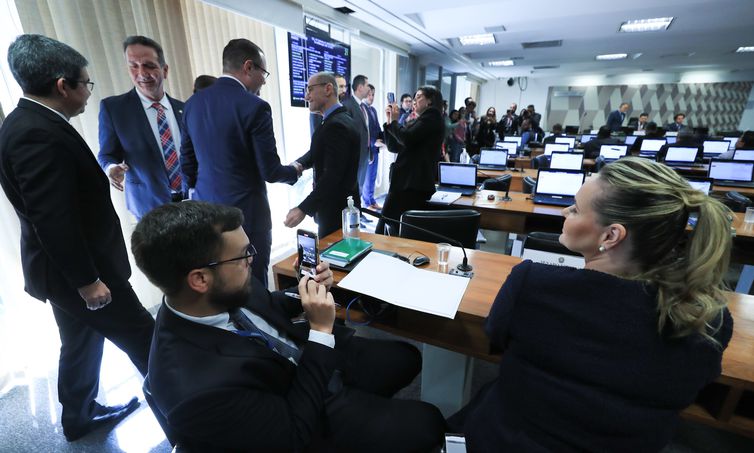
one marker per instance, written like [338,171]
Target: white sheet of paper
[408,287]
[441,197]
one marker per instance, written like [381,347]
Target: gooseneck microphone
[463,267]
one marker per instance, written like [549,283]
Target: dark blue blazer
[228,151]
[126,136]
[615,120]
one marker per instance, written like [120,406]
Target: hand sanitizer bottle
[351,220]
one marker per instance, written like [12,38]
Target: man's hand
[324,275]
[96,295]
[294,217]
[392,113]
[379,143]
[117,173]
[318,305]
[299,168]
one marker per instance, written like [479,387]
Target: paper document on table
[401,284]
[444,197]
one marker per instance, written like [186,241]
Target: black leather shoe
[103,415]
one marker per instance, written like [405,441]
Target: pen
[298,296]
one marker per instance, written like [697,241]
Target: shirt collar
[334,107]
[48,108]
[231,77]
[147,103]
[220,320]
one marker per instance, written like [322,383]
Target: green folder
[345,251]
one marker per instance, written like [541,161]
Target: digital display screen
[310,55]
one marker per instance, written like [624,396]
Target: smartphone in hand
[391,98]
[308,253]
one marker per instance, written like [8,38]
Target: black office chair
[545,248]
[501,183]
[161,419]
[528,184]
[599,162]
[736,202]
[459,224]
[541,161]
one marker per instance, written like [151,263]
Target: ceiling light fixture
[500,63]
[612,56]
[640,25]
[477,40]
[745,49]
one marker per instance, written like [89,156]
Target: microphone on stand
[463,267]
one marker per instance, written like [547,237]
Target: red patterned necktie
[168,148]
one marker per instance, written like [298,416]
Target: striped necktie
[249,329]
[168,149]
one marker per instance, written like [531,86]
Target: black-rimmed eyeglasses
[250,252]
[89,84]
[264,71]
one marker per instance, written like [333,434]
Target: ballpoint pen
[298,296]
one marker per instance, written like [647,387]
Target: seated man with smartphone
[228,370]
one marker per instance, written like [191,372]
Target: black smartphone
[391,98]
[308,255]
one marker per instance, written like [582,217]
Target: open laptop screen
[714,148]
[652,144]
[559,182]
[550,147]
[586,137]
[743,154]
[566,161]
[701,184]
[671,140]
[516,140]
[630,139]
[498,157]
[508,146]
[613,151]
[731,170]
[731,142]
[566,139]
[681,154]
[457,174]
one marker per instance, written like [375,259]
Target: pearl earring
[601,248]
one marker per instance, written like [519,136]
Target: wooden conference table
[727,404]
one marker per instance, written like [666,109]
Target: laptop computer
[734,173]
[560,160]
[566,139]
[511,147]
[493,159]
[585,138]
[671,140]
[457,178]
[550,147]
[743,154]
[612,153]
[681,156]
[713,148]
[701,184]
[557,187]
[731,142]
[516,140]
[630,140]
[671,133]
[641,132]
[650,146]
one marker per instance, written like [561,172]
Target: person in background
[685,139]
[375,143]
[536,118]
[615,118]
[677,124]
[746,141]
[203,81]
[631,338]
[592,147]
[527,133]
[508,124]
[407,106]
[342,88]
[485,136]
[642,123]
[557,131]
[454,128]
[418,145]
[357,108]
[652,132]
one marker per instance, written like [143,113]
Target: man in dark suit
[677,124]
[229,371]
[592,147]
[72,248]
[375,143]
[228,148]
[357,108]
[557,131]
[334,156]
[139,132]
[615,118]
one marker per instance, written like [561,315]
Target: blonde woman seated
[604,358]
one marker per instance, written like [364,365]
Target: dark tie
[168,148]
[366,120]
[249,329]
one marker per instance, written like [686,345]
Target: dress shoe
[103,415]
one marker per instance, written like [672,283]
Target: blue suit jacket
[615,120]
[228,151]
[126,136]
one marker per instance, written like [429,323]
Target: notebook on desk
[457,178]
[734,173]
[610,153]
[557,187]
[681,156]
[493,159]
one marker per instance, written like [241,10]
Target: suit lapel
[145,130]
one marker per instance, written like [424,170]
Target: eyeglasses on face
[264,71]
[309,87]
[89,84]
[250,253]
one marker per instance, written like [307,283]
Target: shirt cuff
[325,339]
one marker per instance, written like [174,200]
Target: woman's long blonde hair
[654,203]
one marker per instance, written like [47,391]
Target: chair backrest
[528,184]
[541,161]
[501,183]
[161,419]
[545,248]
[459,224]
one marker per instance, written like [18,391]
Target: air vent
[345,10]
[551,66]
[542,44]
[495,29]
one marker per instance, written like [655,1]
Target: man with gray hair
[334,156]
[72,248]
